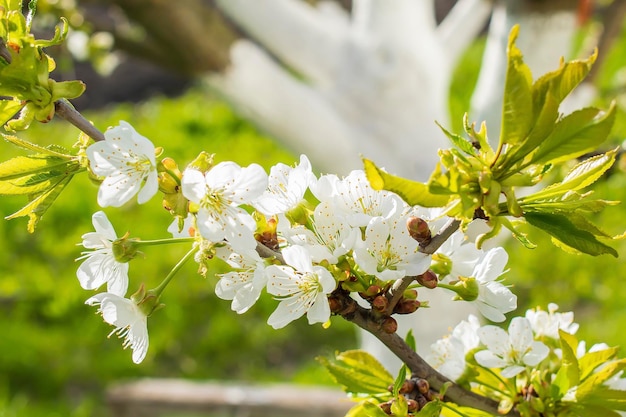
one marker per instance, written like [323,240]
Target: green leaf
[8,109]
[410,340]
[399,407]
[412,192]
[594,384]
[563,230]
[590,361]
[589,410]
[397,384]
[431,409]
[358,372]
[582,175]
[21,166]
[517,107]
[40,203]
[580,132]
[20,143]
[568,374]
[366,409]
[459,141]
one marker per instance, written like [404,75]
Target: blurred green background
[55,359]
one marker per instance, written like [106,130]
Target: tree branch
[66,111]
[362,317]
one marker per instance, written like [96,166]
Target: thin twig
[438,240]
[419,367]
[397,290]
[66,111]
[266,252]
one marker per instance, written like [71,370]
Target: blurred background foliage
[55,359]
[55,354]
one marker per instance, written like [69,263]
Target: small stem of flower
[396,291]
[155,242]
[66,111]
[158,290]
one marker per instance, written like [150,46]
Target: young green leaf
[40,203]
[568,375]
[563,230]
[413,192]
[358,372]
[517,106]
[366,409]
[576,134]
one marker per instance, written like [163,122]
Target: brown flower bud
[405,306]
[410,294]
[421,401]
[380,303]
[422,385]
[419,230]
[334,304]
[412,405]
[428,279]
[407,386]
[389,325]
[386,407]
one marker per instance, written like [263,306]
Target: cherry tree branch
[66,111]
[397,290]
[363,318]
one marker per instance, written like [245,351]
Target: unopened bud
[407,386]
[386,407]
[422,385]
[334,304]
[380,303]
[428,279]
[419,230]
[412,405]
[390,325]
[406,306]
[421,401]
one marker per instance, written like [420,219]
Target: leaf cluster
[25,69]
[474,180]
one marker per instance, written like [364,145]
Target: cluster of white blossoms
[530,343]
[329,230]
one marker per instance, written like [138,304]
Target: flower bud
[380,303]
[389,325]
[421,401]
[422,385]
[407,386]
[410,294]
[419,230]
[386,407]
[412,405]
[169,176]
[406,306]
[428,279]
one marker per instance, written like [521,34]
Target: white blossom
[130,322]
[389,252]
[494,299]
[548,323]
[330,238]
[301,288]
[512,351]
[219,193]
[354,197]
[456,257]
[242,285]
[286,187]
[447,355]
[127,161]
[99,265]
